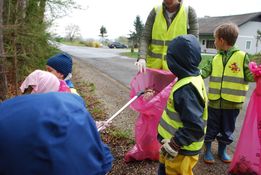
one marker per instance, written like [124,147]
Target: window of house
[210,44]
[248,44]
[203,42]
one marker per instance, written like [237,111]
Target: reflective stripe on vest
[228,83]
[170,121]
[162,35]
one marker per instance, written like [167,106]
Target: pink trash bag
[246,160]
[150,109]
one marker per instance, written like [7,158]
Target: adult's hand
[141,64]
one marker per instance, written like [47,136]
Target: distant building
[248,25]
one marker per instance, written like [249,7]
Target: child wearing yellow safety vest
[183,123]
[228,86]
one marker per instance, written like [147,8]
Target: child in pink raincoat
[40,81]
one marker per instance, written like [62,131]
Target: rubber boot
[208,156]
[222,153]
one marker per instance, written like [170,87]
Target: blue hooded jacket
[50,134]
[183,58]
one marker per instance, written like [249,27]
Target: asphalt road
[107,60]
[122,69]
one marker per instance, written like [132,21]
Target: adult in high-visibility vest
[183,123]
[164,23]
[228,86]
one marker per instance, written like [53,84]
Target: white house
[248,25]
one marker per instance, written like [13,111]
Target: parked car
[117,45]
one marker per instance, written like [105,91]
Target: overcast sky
[118,15]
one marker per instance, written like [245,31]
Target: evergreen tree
[135,36]
[139,26]
[103,32]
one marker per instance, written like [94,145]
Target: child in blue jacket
[183,123]
[50,134]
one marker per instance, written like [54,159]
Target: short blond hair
[227,31]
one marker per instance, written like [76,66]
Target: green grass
[73,43]
[204,61]
[130,54]
[121,134]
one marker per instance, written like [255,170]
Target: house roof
[208,24]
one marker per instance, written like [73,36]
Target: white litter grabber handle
[119,111]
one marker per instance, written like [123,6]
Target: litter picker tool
[119,111]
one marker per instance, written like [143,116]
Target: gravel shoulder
[113,95]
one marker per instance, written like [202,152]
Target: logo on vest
[234,67]
[170,102]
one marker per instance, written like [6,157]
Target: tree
[122,39]
[72,32]
[3,80]
[139,26]
[23,38]
[135,36]
[103,32]
[258,39]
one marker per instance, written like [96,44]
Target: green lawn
[130,54]
[73,43]
[204,60]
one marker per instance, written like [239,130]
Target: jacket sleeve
[247,73]
[193,22]
[146,35]
[207,69]
[107,161]
[190,107]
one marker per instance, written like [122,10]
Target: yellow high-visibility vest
[162,35]
[170,121]
[227,82]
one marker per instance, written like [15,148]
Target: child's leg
[161,170]
[228,121]
[162,158]
[180,165]
[226,134]
[213,128]
[213,125]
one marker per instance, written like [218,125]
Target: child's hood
[183,56]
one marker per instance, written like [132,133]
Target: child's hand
[166,147]
[102,124]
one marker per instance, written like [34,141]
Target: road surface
[107,60]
